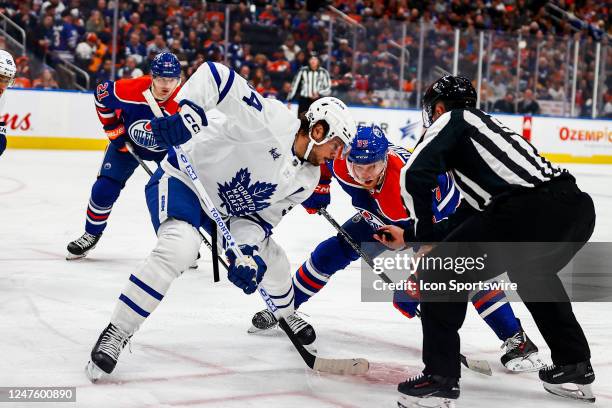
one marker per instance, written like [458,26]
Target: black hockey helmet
[454,91]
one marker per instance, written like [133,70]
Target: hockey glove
[177,129]
[246,273]
[407,301]
[320,198]
[116,134]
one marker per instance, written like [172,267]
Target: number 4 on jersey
[253,101]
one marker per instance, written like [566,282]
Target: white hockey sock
[177,248]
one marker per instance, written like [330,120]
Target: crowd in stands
[270,40]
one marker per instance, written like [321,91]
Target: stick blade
[342,366]
[480,366]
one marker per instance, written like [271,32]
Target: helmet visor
[367,174]
[427,115]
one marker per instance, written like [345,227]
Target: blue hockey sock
[104,193]
[496,311]
[307,281]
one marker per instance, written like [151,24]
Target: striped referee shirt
[311,82]
[485,158]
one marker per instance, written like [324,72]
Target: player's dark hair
[304,123]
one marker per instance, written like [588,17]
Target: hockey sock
[496,311]
[104,193]
[177,248]
[307,281]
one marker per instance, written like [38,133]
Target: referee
[516,196]
[312,82]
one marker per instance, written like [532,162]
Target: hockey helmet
[367,158]
[166,65]
[335,114]
[456,91]
[8,69]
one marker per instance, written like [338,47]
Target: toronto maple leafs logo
[240,197]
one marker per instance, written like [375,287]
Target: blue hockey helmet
[369,145]
[367,158]
[165,64]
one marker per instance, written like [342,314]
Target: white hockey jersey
[244,156]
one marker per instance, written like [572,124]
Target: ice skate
[521,354]
[105,353]
[79,248]
[264,322]
[428,391]
[569,381]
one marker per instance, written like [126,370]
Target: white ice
[194,350]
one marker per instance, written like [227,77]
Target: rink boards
[67,120]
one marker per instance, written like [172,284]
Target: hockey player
[256,161]
[7,77]
[370,175]
[516,196]
[125,117]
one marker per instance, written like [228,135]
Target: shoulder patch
[130,90]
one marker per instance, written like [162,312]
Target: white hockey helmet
[338,118]
[8,69]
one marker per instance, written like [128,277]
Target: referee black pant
[304,104]
[556,213]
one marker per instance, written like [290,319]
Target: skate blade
[72,257]
[93,372]
[405,401]
[532,362]
[574,391]
[271,331]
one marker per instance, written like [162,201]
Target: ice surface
[194,350]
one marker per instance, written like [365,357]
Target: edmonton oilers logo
[141,133]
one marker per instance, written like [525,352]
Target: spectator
[290,48]
[299,61]
[498,89]
[136,48]
[45,81]
[278,64]
[26,18]
[22,77]
[245,72]
[130,69]
[45,35]
[100,52]
[158,45]
[528,104]
[104,74]
[267,90]
[556,91]
[310,84]
[285,90]
[235,52]
[505,105]
[95,22]
[56,5]
[85,50]
[213,47]
[67,36]
[607,108]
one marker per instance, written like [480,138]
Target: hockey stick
[334,366]
[479,366]
[213,236]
